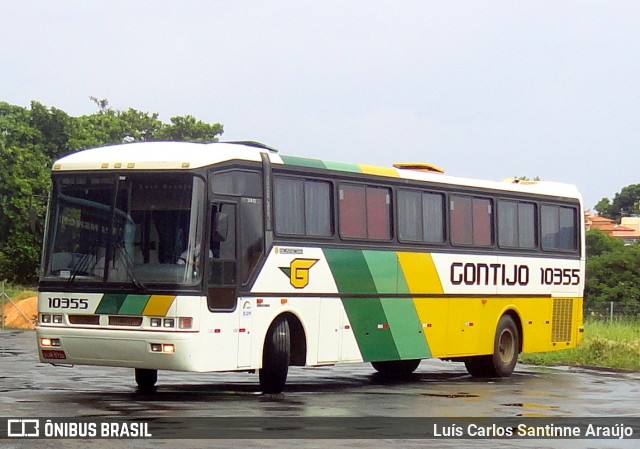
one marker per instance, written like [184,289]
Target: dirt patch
[22,315]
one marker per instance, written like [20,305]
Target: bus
[233,257]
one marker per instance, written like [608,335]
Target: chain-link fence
[613,311]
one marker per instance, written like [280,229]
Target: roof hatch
[418,166]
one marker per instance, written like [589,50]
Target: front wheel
[506,346]
[146,378]
[275,357]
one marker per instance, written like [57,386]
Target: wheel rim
[506,347]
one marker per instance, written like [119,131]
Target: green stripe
[386,271]
[302,161]
[365,314]
[110,304]
[134,304]
[350,271]
[342,166]
[406,328]
[317,163]
[374,273]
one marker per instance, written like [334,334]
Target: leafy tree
[626,202]
[187,128]
[24,183]
[613,270]
[598,243]
[604,207]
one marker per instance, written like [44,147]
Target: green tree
[613,270]
[626,202]
[188,129]
[24,184]
[604,207]
[598,243]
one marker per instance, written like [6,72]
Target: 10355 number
[69,303]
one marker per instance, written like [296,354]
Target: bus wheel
[396,367]
[505,347]
[146,378]
[505,352]
[275,357]
[478,366]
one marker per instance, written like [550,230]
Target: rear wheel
[146,378]
[478,366]
[506,346]
[396,367]
[275,357]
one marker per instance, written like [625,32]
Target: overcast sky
[483,89]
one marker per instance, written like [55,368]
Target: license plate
[53,354]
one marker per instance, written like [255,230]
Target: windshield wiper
[127,261]
[81,266]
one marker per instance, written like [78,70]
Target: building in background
[628,230]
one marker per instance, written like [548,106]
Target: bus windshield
[136,228]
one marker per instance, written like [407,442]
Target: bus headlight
[169,322]
[156,322]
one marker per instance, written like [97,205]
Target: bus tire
[275,357]
[146,378]
[478,366]
[396,368]
[506,346]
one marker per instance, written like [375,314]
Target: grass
[17,292]
[614,345]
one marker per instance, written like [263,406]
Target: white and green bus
[232,257]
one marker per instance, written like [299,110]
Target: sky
[484,89]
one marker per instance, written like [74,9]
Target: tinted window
[237,182]
[559,228]
[353,212]
[365,212]
[420,217]
[516,224]
[302,207]
[471,221]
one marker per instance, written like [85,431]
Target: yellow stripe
[420,273]
[158,305]
[433,314]
[380,171]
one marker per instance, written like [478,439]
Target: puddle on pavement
[534,406]
[450,395]
[533,410]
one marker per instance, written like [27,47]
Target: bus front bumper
[123,348]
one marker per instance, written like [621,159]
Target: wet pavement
[29,388]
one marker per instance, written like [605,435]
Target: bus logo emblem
[298,271]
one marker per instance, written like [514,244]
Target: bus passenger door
[223,264]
